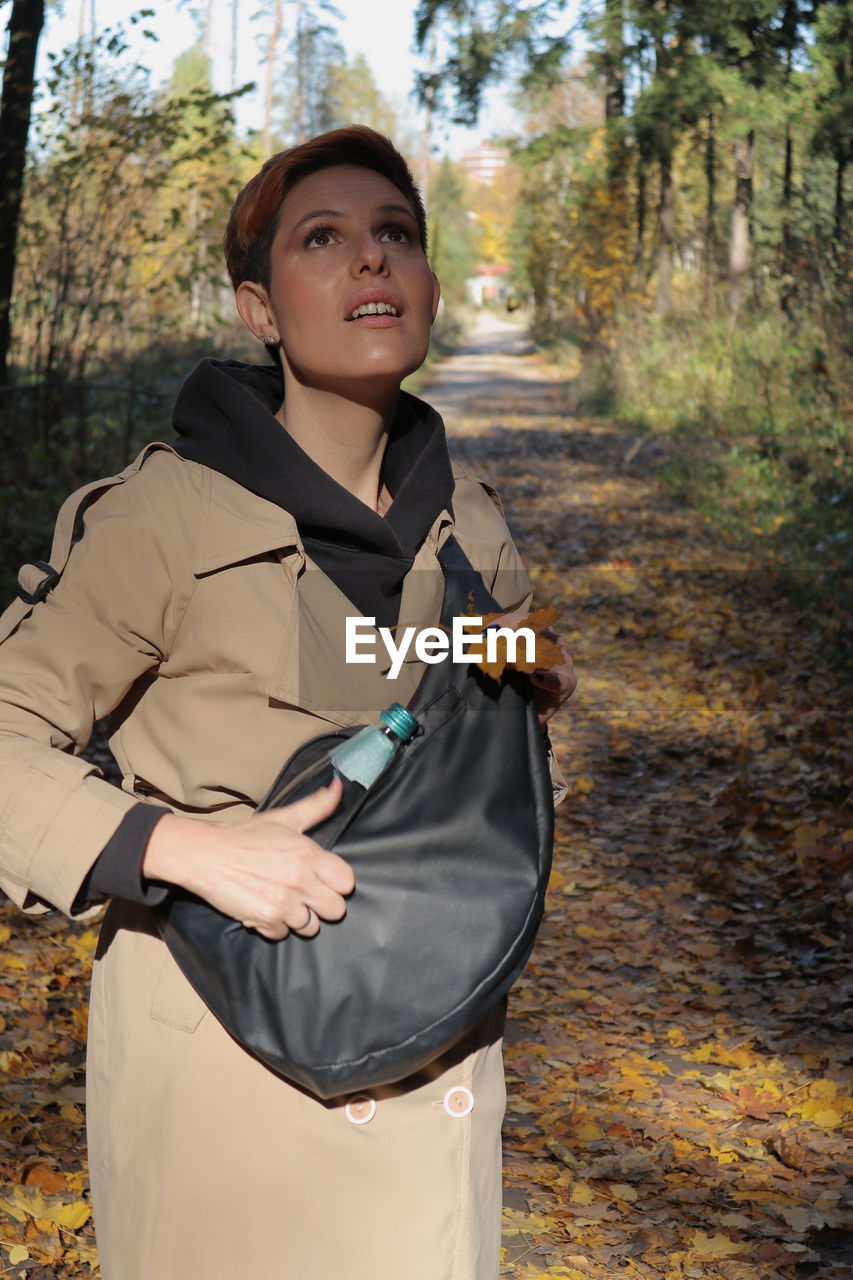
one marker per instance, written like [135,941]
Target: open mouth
[373,309]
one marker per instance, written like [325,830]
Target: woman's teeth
[373,309]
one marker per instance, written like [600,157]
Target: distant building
[485,163]
[488,284]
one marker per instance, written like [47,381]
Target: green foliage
[119,255]
[757,420]
[352,96]
[570,241]
[453,240]
[124,190]
[314,52]
[485,39]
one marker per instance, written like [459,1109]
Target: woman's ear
[254,308]
[436,295]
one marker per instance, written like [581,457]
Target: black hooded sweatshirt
[224,417]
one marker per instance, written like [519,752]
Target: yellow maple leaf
[515,1223]
[824,1089]
[622,1191]
[717,1246]
[588,1131]
[13,1209]
[29,1202]
[547,652]
[825,1117]
[73,1215]
[83,945]
[742,1056]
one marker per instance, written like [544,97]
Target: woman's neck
[345,438]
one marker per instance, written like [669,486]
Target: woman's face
[351,294]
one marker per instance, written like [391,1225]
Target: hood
[224,417]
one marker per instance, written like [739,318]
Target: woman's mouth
[373,309]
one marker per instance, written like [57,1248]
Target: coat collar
[235,525]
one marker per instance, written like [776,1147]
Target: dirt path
[678,1073]
[677,1068]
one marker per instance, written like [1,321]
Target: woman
[199,598]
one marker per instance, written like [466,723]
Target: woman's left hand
[554,685]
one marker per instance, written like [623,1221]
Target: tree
[610,62]
[270,69]
[453,247]
[200,148]
[352,96]
[671,100]
[751,96]
[25,26]
[314,52]
[485,39]
[833,136]
[115,235]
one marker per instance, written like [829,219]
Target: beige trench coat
[187,609]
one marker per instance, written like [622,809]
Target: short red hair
[254,214]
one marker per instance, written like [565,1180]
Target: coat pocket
[175,1001]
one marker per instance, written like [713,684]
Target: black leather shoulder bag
[451,852]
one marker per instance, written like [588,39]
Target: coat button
[361,1109]
[458,1102]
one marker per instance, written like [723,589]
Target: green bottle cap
[400,720]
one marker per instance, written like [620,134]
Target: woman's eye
[319,238]
[395,233]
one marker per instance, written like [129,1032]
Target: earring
[269,339]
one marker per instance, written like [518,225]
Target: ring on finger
[305,923]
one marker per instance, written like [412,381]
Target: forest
[675,211]
[665,409]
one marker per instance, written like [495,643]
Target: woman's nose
[370,257]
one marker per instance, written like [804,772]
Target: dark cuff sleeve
[118,871]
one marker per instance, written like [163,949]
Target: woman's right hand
[263,871]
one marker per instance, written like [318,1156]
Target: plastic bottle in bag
[359,761]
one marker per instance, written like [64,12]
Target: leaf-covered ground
[677,1052]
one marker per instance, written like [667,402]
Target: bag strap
[464,592]
[464,588]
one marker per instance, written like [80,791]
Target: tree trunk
[235,7]
[839,216]
[641,206]
[790,25]
[300,94]
[666,232]
[666,211]
[614,101]
[272,46]
[425,163]
[710,203]
[206,26]
[740,244]
[786,291]
[25,26]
